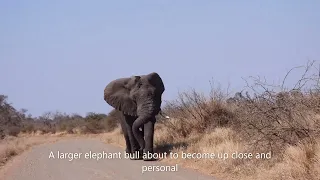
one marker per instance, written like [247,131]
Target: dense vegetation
[12,121]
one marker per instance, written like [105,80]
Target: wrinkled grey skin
[139,99]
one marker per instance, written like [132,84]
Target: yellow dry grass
[12,146]
[299,162]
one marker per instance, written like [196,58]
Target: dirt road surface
[36,164]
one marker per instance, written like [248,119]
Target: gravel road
[83,165]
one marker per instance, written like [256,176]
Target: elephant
[139,100]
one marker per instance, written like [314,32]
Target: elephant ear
[132,82]
[117,95]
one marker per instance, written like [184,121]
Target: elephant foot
[150,159]
[136,155]
[148,156]
[128,151]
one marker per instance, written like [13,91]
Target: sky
[59,55]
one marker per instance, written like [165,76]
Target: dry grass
[115,137]
[299,162]
[12,146]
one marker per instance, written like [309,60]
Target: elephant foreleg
[129,120]
[141,132]
[149,135]
[146,145]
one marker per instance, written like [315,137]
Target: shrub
[13,131]
[112,120]
[193,112]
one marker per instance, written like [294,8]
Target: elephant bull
[139,99]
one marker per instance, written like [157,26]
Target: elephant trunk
[147,109]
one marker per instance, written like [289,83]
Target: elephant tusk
[165,116]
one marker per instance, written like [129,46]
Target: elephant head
[136,95]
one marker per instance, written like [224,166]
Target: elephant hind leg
[126,135]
